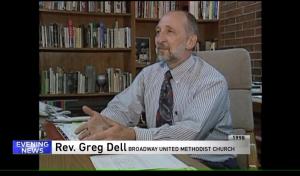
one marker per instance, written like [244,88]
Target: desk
[256,103]
[83,161]
[65,162]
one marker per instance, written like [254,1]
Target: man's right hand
[96,123]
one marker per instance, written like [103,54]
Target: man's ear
[192,40]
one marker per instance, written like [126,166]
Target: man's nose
[160,38]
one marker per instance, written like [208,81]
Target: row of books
[86,6]
[118,80]
[153,9]
[94,35]
[206,46]
[60,82]
[206,10]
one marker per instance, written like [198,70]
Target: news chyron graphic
[236,144]
[32,147]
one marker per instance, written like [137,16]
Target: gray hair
[192,26]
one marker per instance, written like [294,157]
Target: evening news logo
[31,147]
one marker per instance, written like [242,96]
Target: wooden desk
[65,162]
[83,162]
[256,103]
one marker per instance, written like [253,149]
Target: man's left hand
[100,127]
[116,131]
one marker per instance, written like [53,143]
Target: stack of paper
[67,130]
[119,162]
[64,118]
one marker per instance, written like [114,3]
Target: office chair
[235,65]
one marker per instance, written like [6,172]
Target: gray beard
[162,58]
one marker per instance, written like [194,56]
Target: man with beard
[183,97]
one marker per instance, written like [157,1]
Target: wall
[240,26]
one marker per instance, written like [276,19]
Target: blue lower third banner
[235,144]
[32,147]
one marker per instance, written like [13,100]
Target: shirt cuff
[113,116]
[143,134]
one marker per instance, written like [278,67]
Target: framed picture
[143,49]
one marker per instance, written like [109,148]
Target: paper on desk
[70,119]
[68,130]
[137,162]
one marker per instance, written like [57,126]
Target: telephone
[46,109]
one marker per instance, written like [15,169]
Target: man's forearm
[130,134]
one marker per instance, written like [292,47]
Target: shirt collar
[179,71]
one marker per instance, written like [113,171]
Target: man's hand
[100,127]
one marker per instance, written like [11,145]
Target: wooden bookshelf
[84,13]
[77,96]
[145,20]
[75,59]
[141,65]
[85,49]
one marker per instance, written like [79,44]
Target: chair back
[235,66]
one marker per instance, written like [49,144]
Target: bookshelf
[208,28]
[78,95]
[75,59]
[84,49]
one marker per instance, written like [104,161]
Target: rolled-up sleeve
[127,106]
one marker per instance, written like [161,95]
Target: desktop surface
[83,162]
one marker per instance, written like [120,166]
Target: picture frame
[143,50]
